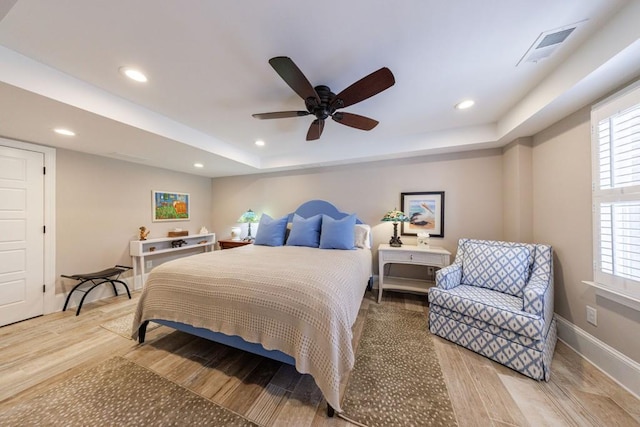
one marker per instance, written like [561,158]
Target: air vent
[547,43]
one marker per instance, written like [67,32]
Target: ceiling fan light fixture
[133,74]
[463,105]
[65,132]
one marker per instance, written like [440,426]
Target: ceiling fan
[323,103]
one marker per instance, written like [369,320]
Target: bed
[294,304]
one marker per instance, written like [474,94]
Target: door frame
[49,267]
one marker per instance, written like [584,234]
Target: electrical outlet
[592,316]
[149,264]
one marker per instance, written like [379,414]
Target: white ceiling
[207,63]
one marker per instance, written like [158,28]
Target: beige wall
[101,203]
[517,191]
[472,183]
[562,217]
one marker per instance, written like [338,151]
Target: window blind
[616,191]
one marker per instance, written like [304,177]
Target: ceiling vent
[547,43]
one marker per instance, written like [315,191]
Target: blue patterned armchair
[496,299]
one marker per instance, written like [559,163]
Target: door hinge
[44,289]
[44,228]
[44,170]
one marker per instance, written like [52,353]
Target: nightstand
[413,255]
[230,244]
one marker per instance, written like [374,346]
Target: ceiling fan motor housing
[323,110]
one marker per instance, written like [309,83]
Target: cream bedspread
[301,301]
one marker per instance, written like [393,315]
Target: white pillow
[362,234]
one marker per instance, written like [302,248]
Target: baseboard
[101,292]
[607,359]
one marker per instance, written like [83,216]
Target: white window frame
[614,286]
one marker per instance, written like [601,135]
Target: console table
[413,255]
[139,249]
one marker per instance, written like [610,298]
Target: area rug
[119,393]
[122,325]
[397,378]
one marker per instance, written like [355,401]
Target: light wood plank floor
[39,353]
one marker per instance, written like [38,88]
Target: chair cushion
[502,310]
[500,266]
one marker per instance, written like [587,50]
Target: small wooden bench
[110,275]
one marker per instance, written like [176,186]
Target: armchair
[496,299]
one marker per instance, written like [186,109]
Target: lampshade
[249,216]
[395,216]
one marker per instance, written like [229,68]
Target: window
[615,129]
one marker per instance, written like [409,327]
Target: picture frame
[426,212]
[170,206]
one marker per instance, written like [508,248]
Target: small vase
[235,233]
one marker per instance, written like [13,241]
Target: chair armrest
[537,298]
[449,277]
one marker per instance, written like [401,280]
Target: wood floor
[39,353]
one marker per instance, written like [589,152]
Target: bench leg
[86,293]
[123,284]
[66,302]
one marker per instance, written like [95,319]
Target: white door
[21,234]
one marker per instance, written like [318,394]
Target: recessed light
[463,105]
[260,143]
[133,74]
[198,165]
[63,131]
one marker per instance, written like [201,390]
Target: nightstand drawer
[415,258]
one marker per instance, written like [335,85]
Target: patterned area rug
[122,325]
[397,378]
[119,393]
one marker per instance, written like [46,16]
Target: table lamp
[249,217]
[395,216]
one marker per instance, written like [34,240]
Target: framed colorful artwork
[170,206]
[425,211]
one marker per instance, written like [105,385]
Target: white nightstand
[409,254]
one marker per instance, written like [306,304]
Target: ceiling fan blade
[281,115]
[315,130]
[292,75]
[364,88]
[354,120]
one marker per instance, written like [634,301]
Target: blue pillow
[271,231]
[337,233]
[305,232]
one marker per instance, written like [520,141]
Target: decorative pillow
[305,232]
[337,233]
[271,231]
[500,267]
[362,234]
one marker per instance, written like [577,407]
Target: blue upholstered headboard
[315,207]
